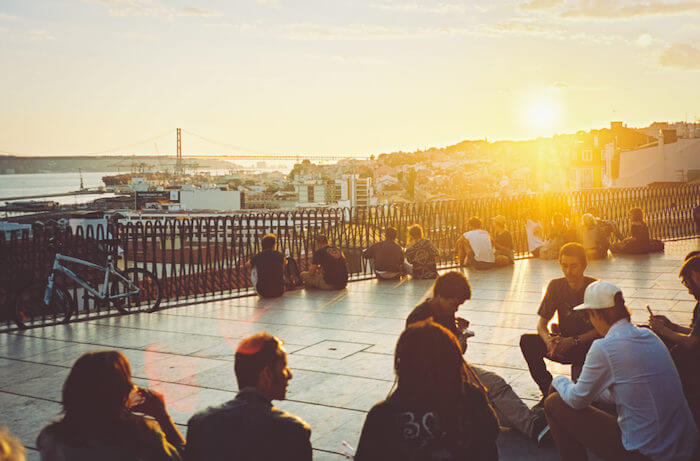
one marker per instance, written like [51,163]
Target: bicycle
[133,287]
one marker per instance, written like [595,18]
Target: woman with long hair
[98,422]
[436,411]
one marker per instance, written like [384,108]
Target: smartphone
[467,333]
[649,309]
[135,399]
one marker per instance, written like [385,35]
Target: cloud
[560,85]
[8,17]
[151,8]
[194,11]
[541,29]
[540,4]
[39,34]
[309,31]
[415,6]
[124,8]
[242,27]
[616,9]
[681,56]
[643,40]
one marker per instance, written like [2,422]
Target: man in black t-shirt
[449,292]
[328,270]
[575,333]
[267,269]
[386,258]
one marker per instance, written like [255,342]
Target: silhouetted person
[267,269]
[630,368]
[684,342]
[98,422]
[502,242]
[435,411]
[249,427]
[638,242]
[575,333]
[386,258]
[421,254]
[328,270]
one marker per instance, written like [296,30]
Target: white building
[662,162]
[314,192]
[191,198]
[353,191]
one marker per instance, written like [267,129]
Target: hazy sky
[325,76]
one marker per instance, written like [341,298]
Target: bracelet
[577,340]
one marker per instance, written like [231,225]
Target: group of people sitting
[633,395]
[595,234]
[271,272]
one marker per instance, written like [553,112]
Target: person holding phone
[684,342]
[100,420]
[449,292]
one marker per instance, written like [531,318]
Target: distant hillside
[17,165]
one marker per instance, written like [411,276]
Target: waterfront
[19,185]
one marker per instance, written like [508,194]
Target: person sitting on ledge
[328,270]
[435,412]
[449,292]
[421,254]
[574,335]
[98,422]
[502,242]
[474,248]
[595,237]
[249,427]
[267,269]
[630,368]
[559,235]
[386,258]
[639,241]
[684,342]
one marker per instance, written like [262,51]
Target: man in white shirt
[474,248]
[631,368]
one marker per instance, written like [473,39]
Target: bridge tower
[178,165]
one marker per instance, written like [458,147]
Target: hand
[552,345]
[658,325]
[462,323]
[660,318]
[563,346]
[153,404]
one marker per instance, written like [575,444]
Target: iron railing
[205,256]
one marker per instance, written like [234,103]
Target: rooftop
[340,345]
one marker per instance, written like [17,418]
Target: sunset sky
[336,76]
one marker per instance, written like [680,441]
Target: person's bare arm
[685,340]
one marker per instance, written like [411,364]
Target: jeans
[317,281]
[510,409]
[574,431]
[534,350]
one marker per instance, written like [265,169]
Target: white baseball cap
[599,295]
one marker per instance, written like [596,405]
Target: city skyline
[338,77]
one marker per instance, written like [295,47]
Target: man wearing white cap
[631,368]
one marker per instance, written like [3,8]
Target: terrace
[340,345]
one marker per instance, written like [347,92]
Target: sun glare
[542,114]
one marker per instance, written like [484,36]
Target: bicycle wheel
[29,304]
[149,296]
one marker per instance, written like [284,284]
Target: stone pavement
[340,345]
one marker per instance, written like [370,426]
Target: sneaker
[545,436]
[540,430]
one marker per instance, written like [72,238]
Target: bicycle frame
[108,269]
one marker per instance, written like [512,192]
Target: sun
[542,113]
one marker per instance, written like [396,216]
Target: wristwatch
[577,340]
